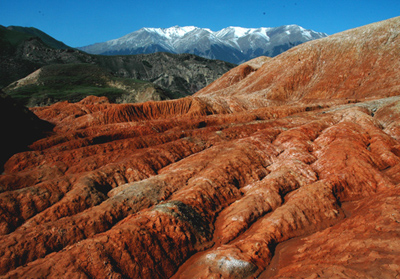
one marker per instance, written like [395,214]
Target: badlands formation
[285,167]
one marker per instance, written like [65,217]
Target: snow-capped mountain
[231,44]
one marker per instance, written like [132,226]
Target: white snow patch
[240,31]
[172,32]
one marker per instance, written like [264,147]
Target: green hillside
[34,32]
[74,82]
[12,37]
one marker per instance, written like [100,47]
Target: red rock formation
[359,63]
[363,245]
[219,186]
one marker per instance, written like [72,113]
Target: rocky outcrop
[210,187]
[182,74]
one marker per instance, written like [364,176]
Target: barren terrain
[283,168]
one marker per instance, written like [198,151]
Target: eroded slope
[357,63]
[205,187]
[139,198]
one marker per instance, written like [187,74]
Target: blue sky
[81,22]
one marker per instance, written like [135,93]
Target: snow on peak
[232,32]
[234,44]
[291,26]
[176,31]
[172,32]
[306,33]
[240,31]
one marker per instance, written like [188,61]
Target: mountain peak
[171,32]
[232,44]
[239,31]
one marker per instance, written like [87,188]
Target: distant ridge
[23,50]
[231,44]
[34,32]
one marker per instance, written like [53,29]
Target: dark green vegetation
[11,66]
[74,82]
[30,32]
[11,38]
[121,78]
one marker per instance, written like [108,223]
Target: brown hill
[358,63]
[237,182]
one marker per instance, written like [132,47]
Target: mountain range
[25,50]
[231,44]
